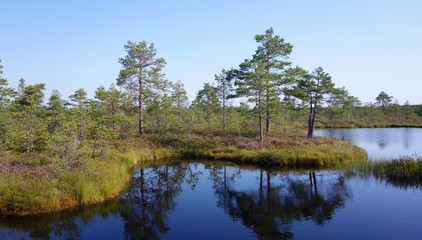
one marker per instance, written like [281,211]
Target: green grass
[22,194]
[300,152]
[404,172]
[133,157]
[96,180]
[93,181]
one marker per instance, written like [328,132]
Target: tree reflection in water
[268,203]
[270,209]
[63,224]
[146,205]
[143,208]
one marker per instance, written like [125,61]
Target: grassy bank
[92,181]
[36,189]
[316,152]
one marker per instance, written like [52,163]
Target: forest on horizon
[276,99]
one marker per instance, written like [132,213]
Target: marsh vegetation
[69,152]
[165,199]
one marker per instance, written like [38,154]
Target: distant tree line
[274,98]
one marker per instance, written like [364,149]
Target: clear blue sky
[367,46]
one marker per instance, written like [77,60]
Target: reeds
[403,172]
[406,171]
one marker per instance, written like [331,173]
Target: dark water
[215,201]
[381,143]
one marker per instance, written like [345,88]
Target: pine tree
[140,67]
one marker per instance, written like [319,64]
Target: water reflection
[145,207]
[247,202]
[64,224]
[407,135]
[143,210]
[278,200]
[381,143]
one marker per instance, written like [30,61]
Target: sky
[367,46]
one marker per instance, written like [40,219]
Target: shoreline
[370,126]
[99,180]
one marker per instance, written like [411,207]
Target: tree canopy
[141,69]
[274,99]
[383,99]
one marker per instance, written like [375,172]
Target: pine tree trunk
[261,131]
[224,111]
[311,123]
[310,120]
[141,114]
[313,119]
[268,120]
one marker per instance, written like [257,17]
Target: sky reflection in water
[214,201]
[381,143]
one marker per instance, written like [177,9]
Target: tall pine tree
[139,68]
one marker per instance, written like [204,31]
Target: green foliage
[80,150]
[225,91]
[207,97]
[108,110]
[206,107]
[141,71]
[56,111]
[6,93]
[313,90]
[27,136]
[179,95]
[29,98]
[383,99]
[417,109]
[79,99]
[26,131]
[261,78]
